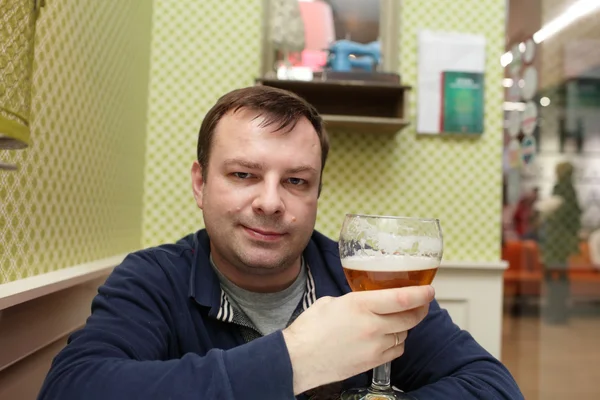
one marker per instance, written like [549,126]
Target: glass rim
[422,219]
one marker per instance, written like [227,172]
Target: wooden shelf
[364,123]
[353,104]
[337,84]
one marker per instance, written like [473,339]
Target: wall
[201,50]
[456,180]
[78,194]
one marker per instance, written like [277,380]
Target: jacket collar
[204,283]
[324,275]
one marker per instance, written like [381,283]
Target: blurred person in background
[525,217]
[559,240]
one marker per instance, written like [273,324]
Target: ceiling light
[507,82]
[506,58]
[514,106]
[570,15]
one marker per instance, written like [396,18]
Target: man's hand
[337,338]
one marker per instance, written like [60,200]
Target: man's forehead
[242,139]
[260,119]
[243,123]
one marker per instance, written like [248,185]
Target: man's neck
[265,281]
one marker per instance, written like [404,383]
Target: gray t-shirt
[268,312]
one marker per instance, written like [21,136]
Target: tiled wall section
[203,49]
[78,194]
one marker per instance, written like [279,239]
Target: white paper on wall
[438,52]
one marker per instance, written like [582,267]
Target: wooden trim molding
[29,327]
[37,315]
[476,265]
[23,290]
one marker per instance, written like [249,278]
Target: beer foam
[391,243]
[391,236]
[389,263]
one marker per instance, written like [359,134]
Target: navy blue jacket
[160,329]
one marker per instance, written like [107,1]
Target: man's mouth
[263,234]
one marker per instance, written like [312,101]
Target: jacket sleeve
[123,350]
[442,361]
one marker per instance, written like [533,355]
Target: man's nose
[268,200]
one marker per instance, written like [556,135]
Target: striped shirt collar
[325,276]
[226,311]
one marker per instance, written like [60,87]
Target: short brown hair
[279,107]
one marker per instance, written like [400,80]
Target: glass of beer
[384,252]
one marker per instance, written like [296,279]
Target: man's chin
[266,261]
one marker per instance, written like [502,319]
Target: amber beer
[387,272]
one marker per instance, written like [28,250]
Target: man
[256,306]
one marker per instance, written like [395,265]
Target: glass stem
[381,378]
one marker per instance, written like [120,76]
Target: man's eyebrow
[243,163]
[258,166]
[302,168]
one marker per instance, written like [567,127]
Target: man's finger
[388,301]
[403,321]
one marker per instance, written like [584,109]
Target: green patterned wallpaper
[201,50]
[456,180]
[78,194]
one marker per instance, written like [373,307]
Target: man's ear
[197,182]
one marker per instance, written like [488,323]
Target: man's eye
[296,181]
[242,175]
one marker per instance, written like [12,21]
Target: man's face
[259,199]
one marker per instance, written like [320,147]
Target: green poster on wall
[462,102]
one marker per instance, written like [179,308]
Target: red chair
[524,274]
